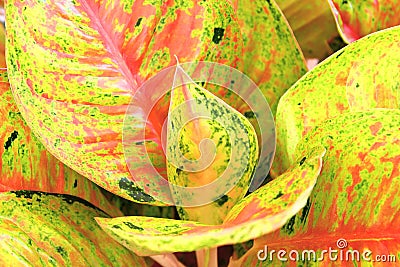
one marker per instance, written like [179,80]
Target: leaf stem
[167,260]
[207,257]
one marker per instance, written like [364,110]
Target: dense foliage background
[329,71]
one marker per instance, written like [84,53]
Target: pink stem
[167,260]
[207,257]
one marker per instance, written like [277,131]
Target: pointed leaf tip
[212,151]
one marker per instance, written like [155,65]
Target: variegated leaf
[363,75]
[26,164]
[2,41]
[74,66]
[271,56]
[39,229]
[354,204]
[263,211]
[357,18]
[212,152]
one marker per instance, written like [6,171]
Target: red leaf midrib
[110,45]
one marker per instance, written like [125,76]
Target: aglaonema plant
[80,120]
[89,84]
[73,68]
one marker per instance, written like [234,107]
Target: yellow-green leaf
[212,152]
[39,229]
[271,55]
[357,18]
[363,75]
[355,202]
[2,43]
[25,164]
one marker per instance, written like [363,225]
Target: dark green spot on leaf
[138,22]
[218,34]
[250,115]
[302,161]
[135,192]
[132,226]
[278,195]
[10,139]
[222,200]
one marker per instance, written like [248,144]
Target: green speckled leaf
[2,41]
[25,164]
[74,66]
[363,75]
[312,23]
[263,211]
[211,148]
[39,229]
[356,197]
[271,55]
[357,18]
